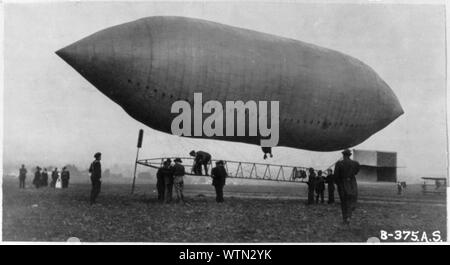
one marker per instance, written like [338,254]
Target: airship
[328,100]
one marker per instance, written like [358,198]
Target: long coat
[345,172]
[219,174]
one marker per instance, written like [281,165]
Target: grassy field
[249,214]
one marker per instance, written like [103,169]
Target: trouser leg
[205,165]
[310,196]
[330,195]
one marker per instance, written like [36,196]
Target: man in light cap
[344,172]
[96,174]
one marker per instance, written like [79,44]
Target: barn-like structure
[376,166]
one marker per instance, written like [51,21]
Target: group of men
[344,177]
[41,178]
[171,176]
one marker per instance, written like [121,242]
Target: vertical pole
[135,167]
[139,145]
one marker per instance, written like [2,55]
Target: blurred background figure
[54,178]
[37,177]
[22,177]
[65,176]
[44,178]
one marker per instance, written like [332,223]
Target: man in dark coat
[311,185]
[54,177]
[65,176]
[44,178]
[219,174]
[201,158]
[37,178]
[320,187]
[178,174]
[330,185]
[168,181]
[22,177]
[164,173]
[96,174]
[344,172]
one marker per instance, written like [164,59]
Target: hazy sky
[52,115]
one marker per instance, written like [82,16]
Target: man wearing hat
[219,174]
[201,158]
[96,174]
[344,172]
[178,174]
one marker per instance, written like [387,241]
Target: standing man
[345,171]
[178,174]
[330,185]
[54,178]
[65,176]
[44,178]
[96,174]
[201,158]
[160,180]
[219,174]
[37,178]
[311,185]
[320,187]
[168,181]
[22,177]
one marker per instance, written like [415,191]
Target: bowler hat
[97,154]
[347,152]
[220,162]
[178,160]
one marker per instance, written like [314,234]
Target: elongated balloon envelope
[328,100]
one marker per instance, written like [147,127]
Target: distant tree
[106,173]
[146,176]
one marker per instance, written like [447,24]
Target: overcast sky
[52,115]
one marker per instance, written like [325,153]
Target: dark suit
[65,176]
[311,187]
[164,177]
[344,172]
[330,182]
[22,177]
[96,174]
[219,174]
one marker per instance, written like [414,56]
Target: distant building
[376,165]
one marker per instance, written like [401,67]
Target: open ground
[251,213]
